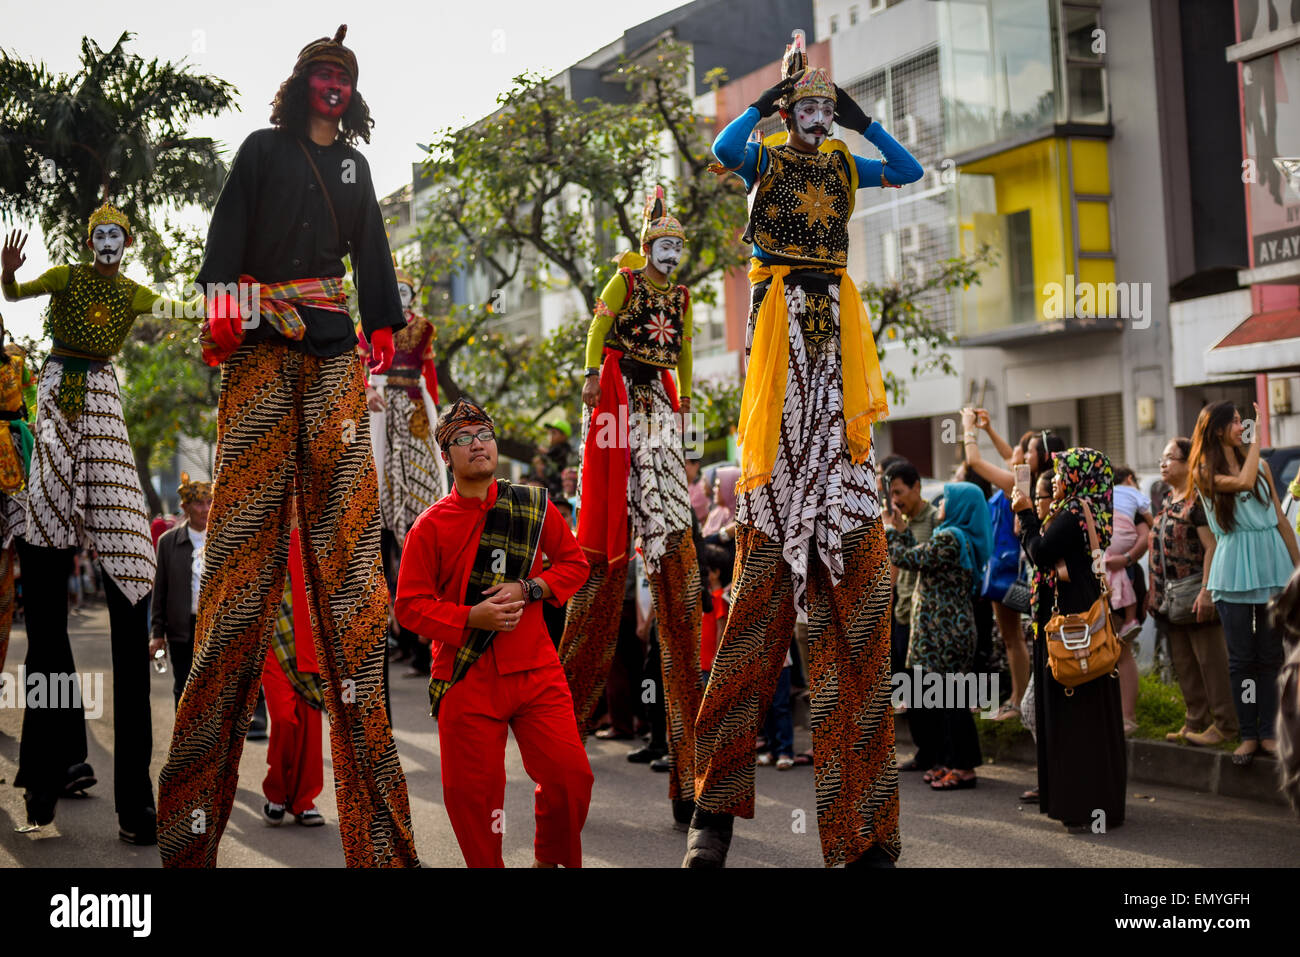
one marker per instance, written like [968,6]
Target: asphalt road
[630,824]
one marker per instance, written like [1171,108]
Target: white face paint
[813,118]
[406,294]
[666,254]
[109,243]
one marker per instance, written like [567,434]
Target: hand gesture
[967,419]
[848,114]
[767,100]
[499,611]
[982,419]
[374,401]
[591,391]
[11,258]
[1019,501]
[156,645]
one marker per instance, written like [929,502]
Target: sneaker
[273,814]
[311,818]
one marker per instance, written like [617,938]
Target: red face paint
[329,91]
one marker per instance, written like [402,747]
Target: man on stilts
[293,435]
[403,418]
[809,534]
[84,489]
[634,487]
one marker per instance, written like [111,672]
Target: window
[1083,45]
[835,24]
[853,15]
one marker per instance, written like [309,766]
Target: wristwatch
[592,372]
[532,589]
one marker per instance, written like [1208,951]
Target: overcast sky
[422,66]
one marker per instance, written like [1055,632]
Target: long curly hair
[1207,459]
[289,111]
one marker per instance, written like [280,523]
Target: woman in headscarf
[1082,769]
[943,634]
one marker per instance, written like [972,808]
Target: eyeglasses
[1042,498]
[1166,459]
[487,435]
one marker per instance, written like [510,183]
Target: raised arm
[734,150]
[1004,448]
[995,476]
[898,168]
[1243,481]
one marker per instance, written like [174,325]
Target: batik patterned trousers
[855,774]
[290,426]
[591,636]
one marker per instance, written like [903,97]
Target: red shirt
[436,563]
[709,621]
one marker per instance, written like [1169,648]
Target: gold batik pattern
[290,427]
[854,769]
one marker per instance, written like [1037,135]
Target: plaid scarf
[282,642]
[513,528]
[1086,475]
[278,304]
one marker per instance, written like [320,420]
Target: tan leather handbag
[1084,646]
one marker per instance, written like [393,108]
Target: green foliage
[1160,708]
[114,131]
[542,194]
[899,311]
[717,402]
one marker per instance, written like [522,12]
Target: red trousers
[473,719]
[295,774]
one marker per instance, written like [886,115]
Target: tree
[898,310]
[115,131]
[563,183]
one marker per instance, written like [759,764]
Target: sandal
[952,781]
[803,759]
[1130,728]
[784,763]
[934,774]
[1006,711]
[1030,796]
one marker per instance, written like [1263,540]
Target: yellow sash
[763,401]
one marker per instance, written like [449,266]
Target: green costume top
[650,323]
[90,314]
[88,319]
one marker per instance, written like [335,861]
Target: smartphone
[1022,475]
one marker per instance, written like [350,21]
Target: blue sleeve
[900,166]
[733,149]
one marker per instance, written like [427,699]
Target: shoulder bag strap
[1095,553]
[329,203]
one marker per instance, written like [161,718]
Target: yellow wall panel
[1094,226]
[1091,166]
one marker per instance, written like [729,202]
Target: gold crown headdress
[191,491]
[108,215]
[655,221]
[402,274]
[814,82]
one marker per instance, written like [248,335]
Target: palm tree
[114,131]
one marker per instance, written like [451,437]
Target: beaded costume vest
[649,328]
[93,314]
[802,206]
[410,345]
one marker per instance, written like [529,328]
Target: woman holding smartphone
[1255,553]
[1038,450]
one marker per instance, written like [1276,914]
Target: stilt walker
[809,535]
[634,489]
[292,415]
[84,490]
[403,418]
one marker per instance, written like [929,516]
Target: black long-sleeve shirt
[1063,540]
[272,222]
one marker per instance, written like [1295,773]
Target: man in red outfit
[471,579]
